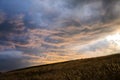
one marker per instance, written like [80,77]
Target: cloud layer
[47,31]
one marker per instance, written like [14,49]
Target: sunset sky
[36,32]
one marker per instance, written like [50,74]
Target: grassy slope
[101,68]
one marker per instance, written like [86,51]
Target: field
[100,68]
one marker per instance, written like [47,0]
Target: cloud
[47,31]
[2,17]
[116,9]
[10,60]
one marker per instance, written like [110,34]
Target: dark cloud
[49,39]
[10,60]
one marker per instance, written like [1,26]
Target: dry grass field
[100,68]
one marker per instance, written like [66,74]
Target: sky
[37,32]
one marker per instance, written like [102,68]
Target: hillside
[100,68]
